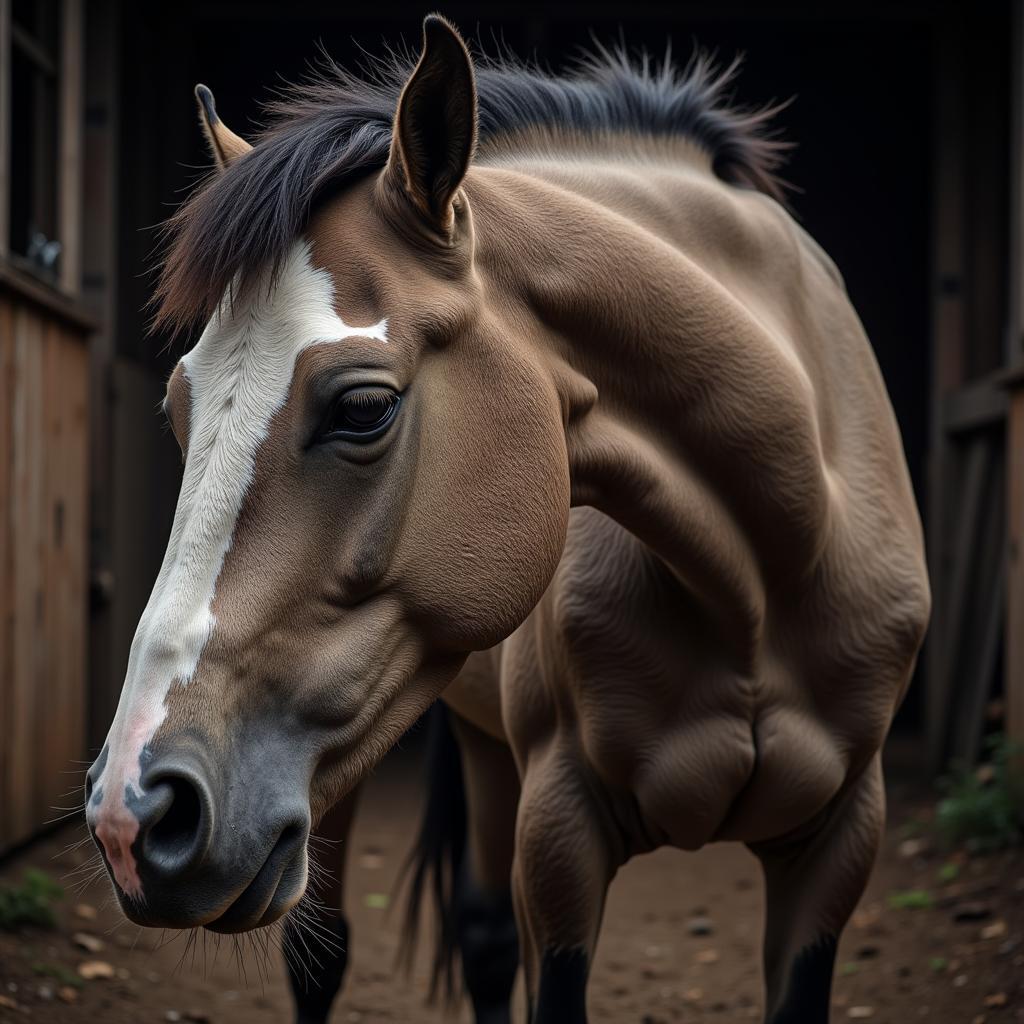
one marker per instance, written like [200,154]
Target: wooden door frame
[976,435]
[1014,666]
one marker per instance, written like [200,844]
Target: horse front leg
[564,862]
[316,943]
[484,920]
[812,888]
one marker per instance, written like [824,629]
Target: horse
[492,356]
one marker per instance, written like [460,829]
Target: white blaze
[239,375]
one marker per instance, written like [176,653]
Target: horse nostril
[93,775]
[175,832]
[174,822]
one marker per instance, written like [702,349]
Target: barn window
[33,134]
[40,124]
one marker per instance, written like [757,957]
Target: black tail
[436,858]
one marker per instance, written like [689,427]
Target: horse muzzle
[191,842]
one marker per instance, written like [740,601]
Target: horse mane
[325,133]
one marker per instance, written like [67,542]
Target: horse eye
[361,414]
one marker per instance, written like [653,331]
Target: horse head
[375,484]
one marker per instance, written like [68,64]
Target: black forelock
[336,128]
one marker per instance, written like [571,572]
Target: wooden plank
[984,618]
[983,403]
[69,182]
[48,724]
[948,333]
[48,299]
[944,668]
[44,544]
[49,720]
[76,541]
[61,724]
[980,671]
[6,560]
[1015,327]
[5,126]
[29,562]
[1014,680]
[101,211]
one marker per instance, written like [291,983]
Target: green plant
[914,827]
[30,903]
[58,972]
[983,808]
[911,899]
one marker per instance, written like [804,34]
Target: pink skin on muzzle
[117,831]
[114,824]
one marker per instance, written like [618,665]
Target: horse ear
[225,146]
[434,132]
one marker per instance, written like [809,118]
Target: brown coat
[386,423]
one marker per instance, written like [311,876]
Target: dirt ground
[958,961]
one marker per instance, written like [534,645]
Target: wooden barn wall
[43,564]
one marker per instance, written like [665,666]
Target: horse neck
[690,420]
